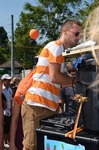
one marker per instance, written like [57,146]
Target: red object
[34,33]
[23,86]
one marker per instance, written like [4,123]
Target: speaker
[90,110]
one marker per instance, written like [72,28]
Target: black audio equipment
[89,141]
[63,121]
[90,110]
[55,127]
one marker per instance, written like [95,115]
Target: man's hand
[70,70]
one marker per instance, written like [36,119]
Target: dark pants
[7,122]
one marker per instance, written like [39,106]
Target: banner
[59,145]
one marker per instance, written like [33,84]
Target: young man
[41,99]
[6,90]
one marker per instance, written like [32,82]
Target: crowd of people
[42,98]
[8,86]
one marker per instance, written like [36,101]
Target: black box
[91,142]
[90,109]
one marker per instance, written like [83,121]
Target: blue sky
[11,7]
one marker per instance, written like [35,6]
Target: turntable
[63,121]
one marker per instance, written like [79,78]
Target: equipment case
[90,141]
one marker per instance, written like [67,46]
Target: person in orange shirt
[42,98]
[1,119]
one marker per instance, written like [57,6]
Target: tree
[47,17]
[83,13]
[4,48]
[3,37]
[25,48]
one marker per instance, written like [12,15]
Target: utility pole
[12,47]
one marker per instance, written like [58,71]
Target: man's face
[6,82]
[73,35]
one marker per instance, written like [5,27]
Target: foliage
[83,13]
[4,48]
[3,37]
[47,17]
[24,49]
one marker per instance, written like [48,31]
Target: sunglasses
[75,33]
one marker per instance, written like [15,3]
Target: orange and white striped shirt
[42,92]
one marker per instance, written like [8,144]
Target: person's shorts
[7,122]
[31,115]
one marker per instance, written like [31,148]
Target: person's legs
[1,129]
[7,122]
[19,134]
[31,115]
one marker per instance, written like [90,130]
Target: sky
[12,7]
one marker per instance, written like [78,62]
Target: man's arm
[57,77]
[14,124]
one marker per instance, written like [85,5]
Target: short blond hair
[68,24]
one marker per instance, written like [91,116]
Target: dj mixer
[63,121]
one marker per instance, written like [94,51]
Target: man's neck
[65,44]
